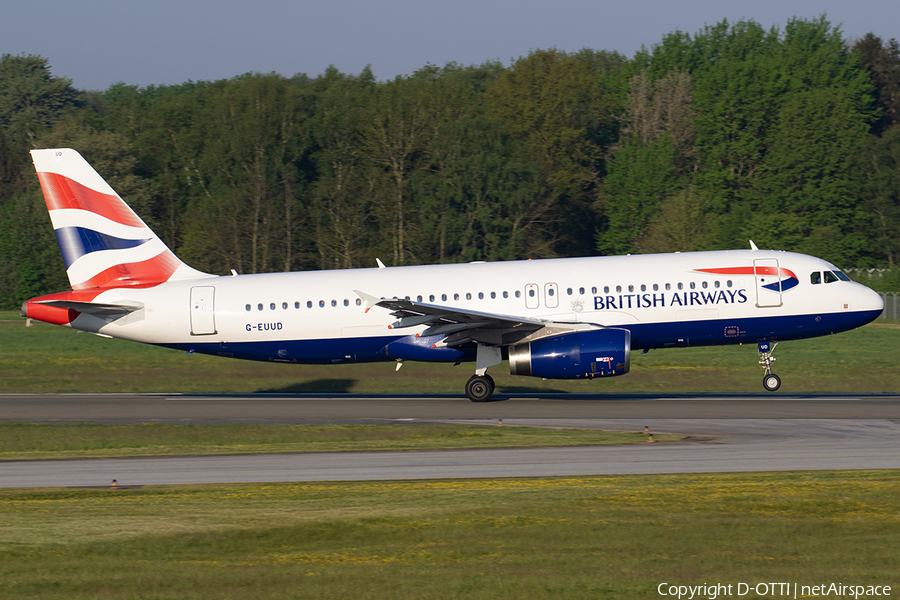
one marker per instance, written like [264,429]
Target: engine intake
[576,355]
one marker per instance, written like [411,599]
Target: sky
[97,43]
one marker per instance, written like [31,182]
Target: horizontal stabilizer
[94,308]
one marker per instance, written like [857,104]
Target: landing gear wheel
[479,388]
[771,382]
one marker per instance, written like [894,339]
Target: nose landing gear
[771,381]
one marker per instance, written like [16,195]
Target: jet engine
[576,355]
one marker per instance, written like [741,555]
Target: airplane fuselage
[666,300]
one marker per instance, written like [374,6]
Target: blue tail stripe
[75,242]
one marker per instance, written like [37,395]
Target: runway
[728,434]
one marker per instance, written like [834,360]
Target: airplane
[568,318]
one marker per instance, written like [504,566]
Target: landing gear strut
[480,387]
[771,381]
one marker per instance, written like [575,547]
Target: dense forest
[787,136]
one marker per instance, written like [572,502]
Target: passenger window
[321,304]
[830,277]
[643,288]
[334,302]
[481,295]
[716,284]
[581,291]
[815,278]
[693,285]
[346,302]
[247,308]
[531,293]
[493,295]
[569,291]
[619,289]
[551,292]
[506,294]
[594,290]
[680,286]
[728,283]
[605,289]
[518,294]
[431,298]
[443,297]
[630,288]
[296,304]
[259,307]
[418,298]
[655,287]
[704,285]
[309,304]
[284,306]
[468,296]
[359,301]
[668,286]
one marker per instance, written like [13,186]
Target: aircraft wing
[461,326]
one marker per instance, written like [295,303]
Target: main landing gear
[481,385]
[771,381]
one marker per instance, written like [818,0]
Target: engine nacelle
[576,355]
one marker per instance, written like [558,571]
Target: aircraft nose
[871,300]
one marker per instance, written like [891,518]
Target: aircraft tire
[771,382]
[479,388]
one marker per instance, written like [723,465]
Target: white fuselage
[665,300]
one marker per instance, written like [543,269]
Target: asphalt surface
[727,434]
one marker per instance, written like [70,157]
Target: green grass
[30,441]
[46,358]
[567,538]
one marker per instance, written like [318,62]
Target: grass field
[571,538]
[46,358]
[32,441]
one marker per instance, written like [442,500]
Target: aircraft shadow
[315,386]
[521,389]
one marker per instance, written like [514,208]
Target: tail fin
[103,242]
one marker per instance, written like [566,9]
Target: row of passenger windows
[532,291]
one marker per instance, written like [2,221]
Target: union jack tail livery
[104,243]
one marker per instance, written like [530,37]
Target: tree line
[787,136]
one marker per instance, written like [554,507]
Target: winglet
[368,300]
[753,246]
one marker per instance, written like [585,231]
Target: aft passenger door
[768,282]
[203,315]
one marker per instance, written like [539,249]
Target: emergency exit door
[203,315]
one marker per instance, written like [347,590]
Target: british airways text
[624,301]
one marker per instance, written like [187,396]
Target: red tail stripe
[142,274]
[62,192]
[750,271]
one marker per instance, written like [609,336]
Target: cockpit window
[841,275]
[815,278]
[830,277]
